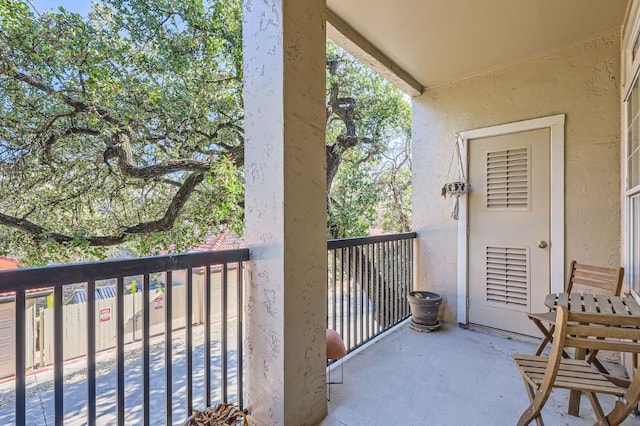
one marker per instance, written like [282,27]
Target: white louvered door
[509,214]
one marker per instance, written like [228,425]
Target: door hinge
[467,303]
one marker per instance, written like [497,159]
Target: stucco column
[284,95]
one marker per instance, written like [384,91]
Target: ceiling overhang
[418,44]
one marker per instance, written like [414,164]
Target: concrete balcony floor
[449,377]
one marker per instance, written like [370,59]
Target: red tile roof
[8,263]
[13,263]
[225,241]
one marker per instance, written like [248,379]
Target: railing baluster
[407,267]
[189,339]
[399,275]
[396,282]
[58,357]
[146,351]
[168,347]
[223,329]
[120,348]
[385,285]
[380,286]
[377,287]
[91,352]
[403,281]
[335,291]
[389,284]
[207,336]
[365,260]
[362,281]
[240,333]
[411,277]
[342,330]
[20,352]
[349,275]
[329,287]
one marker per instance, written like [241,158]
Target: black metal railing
[192,362]
[369,279]
[182,347]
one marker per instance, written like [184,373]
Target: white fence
[8,338]
[74,327]
[75,319]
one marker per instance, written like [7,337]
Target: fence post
[41,338]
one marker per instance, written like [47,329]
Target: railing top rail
[55,275]
[358,241]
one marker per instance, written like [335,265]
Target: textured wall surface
[581,81]
[284,68]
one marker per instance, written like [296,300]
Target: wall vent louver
[507,277]
[508,179]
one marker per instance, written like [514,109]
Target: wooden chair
[582,279]
[583,331]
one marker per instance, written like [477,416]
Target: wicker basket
[219,415]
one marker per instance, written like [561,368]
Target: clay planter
[424,307]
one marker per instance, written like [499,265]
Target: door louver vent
[508,179]
[508,277]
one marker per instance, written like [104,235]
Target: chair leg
[597,409]
[591,359]
[547,335]
[542,345]
[625,405]
[619,413]
[533,412]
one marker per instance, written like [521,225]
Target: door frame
[555,123]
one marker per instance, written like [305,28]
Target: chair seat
[548,317]
[572,374]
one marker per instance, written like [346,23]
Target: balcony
[111,363]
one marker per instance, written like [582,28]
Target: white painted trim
[631,28]
[463,227]
[630,72]
[556,125]
[625,216]
[339,31]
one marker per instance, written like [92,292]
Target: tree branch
[77,105]
[165,223]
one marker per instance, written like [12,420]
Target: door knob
[542,244]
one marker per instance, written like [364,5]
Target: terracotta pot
[424,307]
[335,345]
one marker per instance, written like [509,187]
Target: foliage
[354,197]
[123,130]
[367,118]
[122,127]
[395,184]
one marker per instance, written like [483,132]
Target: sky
[79,6]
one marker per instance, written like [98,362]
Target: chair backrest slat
[606,319]
[595,279]
[602,345]
[618,333]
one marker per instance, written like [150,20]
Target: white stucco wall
[285,210]
[581,81]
